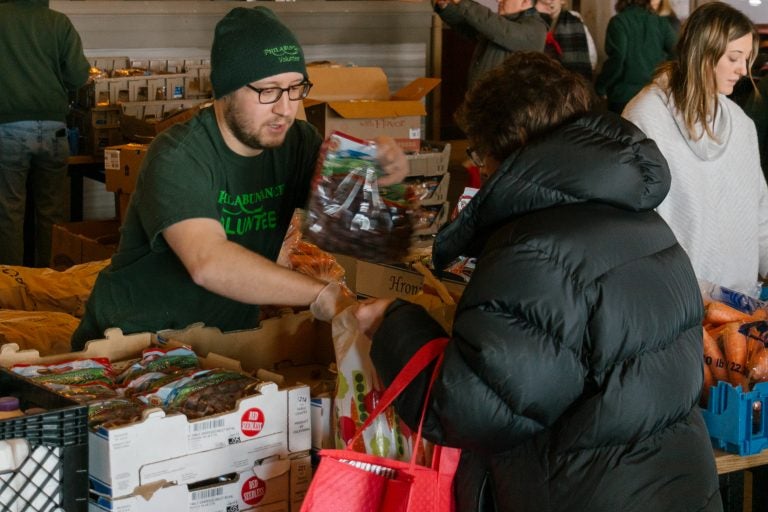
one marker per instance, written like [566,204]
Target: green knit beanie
[250,44]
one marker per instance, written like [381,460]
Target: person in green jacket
[636,41]
[516,27]
[41,59]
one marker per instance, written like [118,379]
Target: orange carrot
[735,350]
[713,357]
[758,361]
[719,313]
[715,331]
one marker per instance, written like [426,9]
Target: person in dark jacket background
[41,59]
[573,371]
[636,41]
[516,26]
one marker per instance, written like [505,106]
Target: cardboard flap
[148,490]
[369,109]
[331,84]
[298,338]
[417,89]
[272,467]
[115,346]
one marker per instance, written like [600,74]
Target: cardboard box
[121,166]
[321,412]
[390,281]
[109,63]
[322,385]
[434,215]
[357,101]
[142,121]
[165,448]
[432,159]
[105,91]
[98,139]
[297,338]
[181,499]
[80,242]
[107,116]
[435,187]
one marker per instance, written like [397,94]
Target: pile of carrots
[734,348]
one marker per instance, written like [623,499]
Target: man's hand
[330,302]
[392,161]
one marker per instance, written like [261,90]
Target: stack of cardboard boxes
[144,90]
[254,457]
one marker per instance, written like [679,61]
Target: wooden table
[729,462]
[80,167]
[733,487]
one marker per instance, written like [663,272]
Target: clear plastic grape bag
[349,213]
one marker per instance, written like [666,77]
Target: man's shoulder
[193,132]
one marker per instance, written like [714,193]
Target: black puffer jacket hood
[573,372]
[625,169]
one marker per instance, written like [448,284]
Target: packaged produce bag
[358,390]
[349,213]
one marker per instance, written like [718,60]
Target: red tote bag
[350,481]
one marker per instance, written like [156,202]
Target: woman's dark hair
[623,4]
[528,95]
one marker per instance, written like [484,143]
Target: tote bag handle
[431,351]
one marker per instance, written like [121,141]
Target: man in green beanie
[215,196]
[41,60]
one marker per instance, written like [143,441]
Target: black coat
[572,377]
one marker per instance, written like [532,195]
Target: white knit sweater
[718,201]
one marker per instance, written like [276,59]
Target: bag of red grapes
[349,213]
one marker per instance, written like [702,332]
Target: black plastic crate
[54,476]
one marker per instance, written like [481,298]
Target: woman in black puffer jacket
[574,368]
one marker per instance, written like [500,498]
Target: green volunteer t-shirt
[189,172]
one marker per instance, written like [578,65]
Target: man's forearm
[239,274]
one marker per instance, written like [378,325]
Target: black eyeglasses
[269,95]
[474,156]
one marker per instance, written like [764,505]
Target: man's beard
[236,125]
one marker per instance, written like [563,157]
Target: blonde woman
[718,202]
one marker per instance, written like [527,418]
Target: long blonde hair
[690,77]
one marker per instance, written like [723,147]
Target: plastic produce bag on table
[349,213]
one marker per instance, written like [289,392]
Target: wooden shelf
[729,462]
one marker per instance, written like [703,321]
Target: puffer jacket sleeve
[514,362]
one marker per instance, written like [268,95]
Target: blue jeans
[34,153]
